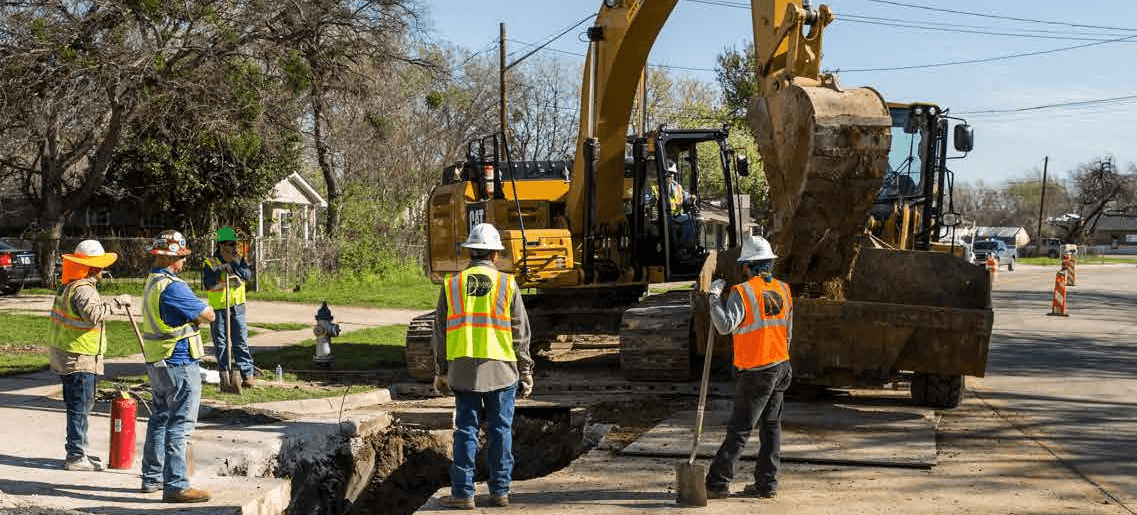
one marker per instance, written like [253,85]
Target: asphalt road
[1070,382]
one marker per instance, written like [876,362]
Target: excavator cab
[912,207]
[665,218]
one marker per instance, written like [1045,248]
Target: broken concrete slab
[812,432]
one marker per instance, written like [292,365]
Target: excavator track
[420,356]
[655,338]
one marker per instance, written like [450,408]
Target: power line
[852,18]
[576,54]
[994,16]
[1078,103]
[988,59]
[547,43]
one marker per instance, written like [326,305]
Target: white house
[291,211]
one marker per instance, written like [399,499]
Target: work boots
[83,463]
[460,503]
[187,495]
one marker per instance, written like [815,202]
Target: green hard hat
[226,234]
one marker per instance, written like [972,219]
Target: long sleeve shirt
[87,302]
[479,374]
[240,268]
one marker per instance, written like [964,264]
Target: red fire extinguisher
[123,411]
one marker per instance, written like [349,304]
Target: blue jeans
[240,327]
[496,410]
[177,393]
[757,402]
[79,398]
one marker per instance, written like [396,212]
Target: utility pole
[1041,203]
[501,83]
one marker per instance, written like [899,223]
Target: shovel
[230,379]
[689,476]
[137,333]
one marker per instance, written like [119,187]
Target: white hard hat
[671,168]
[484,237]
[756,248]
[91,253]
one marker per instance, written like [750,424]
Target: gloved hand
[122,301]
[441,385]
[525,386]
[716,288]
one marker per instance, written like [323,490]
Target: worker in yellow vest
[172,349]
[759,313]
[481,349]
[226,261]
[79,341]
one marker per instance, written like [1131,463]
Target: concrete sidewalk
[235,462]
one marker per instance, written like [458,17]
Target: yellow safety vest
[70,332]
[216,295]
[763,336]
[478,325]
[674,198]
[159,339]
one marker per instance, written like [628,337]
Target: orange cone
[1058,306]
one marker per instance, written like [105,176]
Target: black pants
[757,402]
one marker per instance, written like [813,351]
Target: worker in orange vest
[759,313]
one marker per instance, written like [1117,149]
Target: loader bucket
[825,152]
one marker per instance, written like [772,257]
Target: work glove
[525,386]
[716,288]
[441,385]
[122,301]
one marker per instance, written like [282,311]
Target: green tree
[75,77]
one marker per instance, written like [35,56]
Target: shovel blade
[690,479]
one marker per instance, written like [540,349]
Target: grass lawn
[363,349]
[407,292]
[1082,260]
[23,341]
[289,390]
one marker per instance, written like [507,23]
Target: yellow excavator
[586,237]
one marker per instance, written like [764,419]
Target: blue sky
[875,34]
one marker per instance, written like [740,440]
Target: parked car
[1054,247]
[17,269]
[1004,255]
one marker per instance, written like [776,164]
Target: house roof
[295,190]
[998,232]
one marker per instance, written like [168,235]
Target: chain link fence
[282,263]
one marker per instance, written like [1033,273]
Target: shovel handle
[703,388]
[137,333]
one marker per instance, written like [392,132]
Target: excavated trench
[395,470]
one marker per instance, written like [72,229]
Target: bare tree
[333,49]
[1097,186]
[543,102]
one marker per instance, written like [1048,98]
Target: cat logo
[772,303]
[478,285]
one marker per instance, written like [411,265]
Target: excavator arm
[824,149]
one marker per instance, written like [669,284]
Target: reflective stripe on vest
[478,324]
[159,339]
[762,338]
[216,295]
[674,198]
[70,332]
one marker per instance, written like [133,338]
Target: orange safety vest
[763,336]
